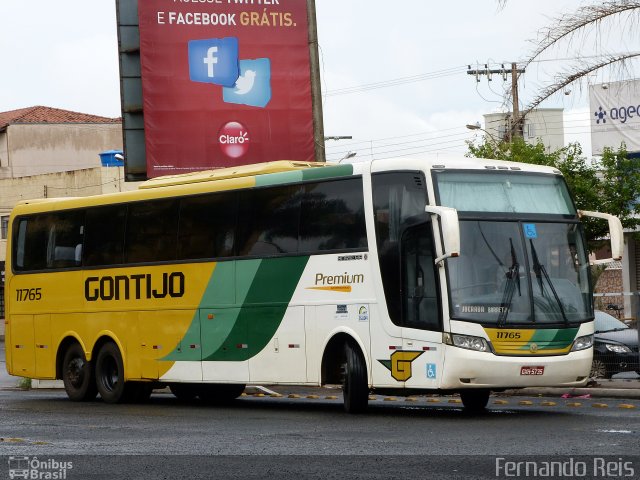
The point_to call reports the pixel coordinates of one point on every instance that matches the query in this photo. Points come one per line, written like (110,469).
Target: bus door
(423,354)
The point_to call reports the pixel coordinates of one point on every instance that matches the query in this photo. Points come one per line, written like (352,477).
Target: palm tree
(598,18)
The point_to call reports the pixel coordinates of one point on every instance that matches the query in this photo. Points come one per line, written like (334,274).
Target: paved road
(398,434)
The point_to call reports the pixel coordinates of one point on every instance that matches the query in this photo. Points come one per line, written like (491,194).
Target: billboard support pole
(316,90)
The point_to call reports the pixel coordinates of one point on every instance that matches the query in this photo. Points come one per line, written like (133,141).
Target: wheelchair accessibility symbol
(431,370)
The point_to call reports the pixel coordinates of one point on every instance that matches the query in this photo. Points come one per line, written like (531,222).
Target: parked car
(615,347)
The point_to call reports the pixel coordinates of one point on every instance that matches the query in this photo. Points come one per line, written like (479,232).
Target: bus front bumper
(470,369)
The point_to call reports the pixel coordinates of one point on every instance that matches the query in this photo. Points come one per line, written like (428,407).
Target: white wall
(34,149)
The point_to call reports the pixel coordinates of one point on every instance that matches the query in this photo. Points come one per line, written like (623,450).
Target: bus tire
(78,375)
(110,374)
(219,394)
(355,387)
(475,401)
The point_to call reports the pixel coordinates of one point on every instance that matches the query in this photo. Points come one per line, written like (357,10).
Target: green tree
(612,186)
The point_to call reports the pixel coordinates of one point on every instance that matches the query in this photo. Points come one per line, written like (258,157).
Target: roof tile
(41,114)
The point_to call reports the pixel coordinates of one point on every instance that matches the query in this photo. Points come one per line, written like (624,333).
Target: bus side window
(419,287)
(65,238)
(152,232)
(268,221)
(397,198)
(207,226)
(332,216)
(104,235)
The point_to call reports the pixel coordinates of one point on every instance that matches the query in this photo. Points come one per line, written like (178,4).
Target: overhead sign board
(615,116)
(225,83)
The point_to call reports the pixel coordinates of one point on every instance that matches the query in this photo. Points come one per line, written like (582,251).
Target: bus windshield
(504,192)
(514,271)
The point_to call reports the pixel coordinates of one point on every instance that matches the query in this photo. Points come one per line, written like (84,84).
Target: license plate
(532,371)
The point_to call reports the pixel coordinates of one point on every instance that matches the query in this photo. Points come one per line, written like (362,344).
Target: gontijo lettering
(144,285)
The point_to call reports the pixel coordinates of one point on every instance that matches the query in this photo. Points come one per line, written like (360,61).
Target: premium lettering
(344,279)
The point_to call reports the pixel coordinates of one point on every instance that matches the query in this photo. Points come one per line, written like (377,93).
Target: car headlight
(582,343)
(467,341)
(617,348)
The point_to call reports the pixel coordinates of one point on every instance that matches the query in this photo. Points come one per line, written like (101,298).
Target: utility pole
(316,91)
(517,123)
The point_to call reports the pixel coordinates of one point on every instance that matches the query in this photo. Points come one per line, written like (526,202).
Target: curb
(632,393)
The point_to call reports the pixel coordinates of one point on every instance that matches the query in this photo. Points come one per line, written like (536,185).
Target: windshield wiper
(611,330)
(541,272)
(513,281)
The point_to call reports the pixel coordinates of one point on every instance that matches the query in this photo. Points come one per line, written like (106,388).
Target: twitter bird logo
(245,82)
(253,86)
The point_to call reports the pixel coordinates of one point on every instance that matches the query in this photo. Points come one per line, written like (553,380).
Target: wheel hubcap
(75,372)
(110,377)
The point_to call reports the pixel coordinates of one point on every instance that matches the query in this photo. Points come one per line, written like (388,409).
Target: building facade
(544,125)
(48,152)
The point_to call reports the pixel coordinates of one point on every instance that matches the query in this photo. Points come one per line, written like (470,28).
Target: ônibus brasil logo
(234,139)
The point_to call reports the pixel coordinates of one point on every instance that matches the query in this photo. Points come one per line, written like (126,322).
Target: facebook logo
(214,61)
(253,87)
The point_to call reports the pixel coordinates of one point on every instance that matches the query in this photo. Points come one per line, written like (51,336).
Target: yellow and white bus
(404,276)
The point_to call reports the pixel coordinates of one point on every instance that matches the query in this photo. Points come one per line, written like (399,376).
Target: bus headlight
(582,343)
(467,341)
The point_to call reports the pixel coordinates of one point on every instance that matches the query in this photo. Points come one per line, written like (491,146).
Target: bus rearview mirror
(616,235)
(450,230)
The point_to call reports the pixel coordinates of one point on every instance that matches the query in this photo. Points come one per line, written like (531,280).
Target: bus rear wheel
(78,375)
(110,374)
(355,387)
(475,400)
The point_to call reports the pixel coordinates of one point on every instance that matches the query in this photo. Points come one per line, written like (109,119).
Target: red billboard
(225,83)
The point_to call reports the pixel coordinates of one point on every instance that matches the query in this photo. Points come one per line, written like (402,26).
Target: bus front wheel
(78,375)
(110,374)
(475,400)
(355,387)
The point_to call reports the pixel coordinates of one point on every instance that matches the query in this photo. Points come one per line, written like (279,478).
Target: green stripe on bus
(552,338)
(317,173)
(263,309)
(244,319)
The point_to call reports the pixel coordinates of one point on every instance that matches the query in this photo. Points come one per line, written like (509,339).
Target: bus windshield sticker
(530,230)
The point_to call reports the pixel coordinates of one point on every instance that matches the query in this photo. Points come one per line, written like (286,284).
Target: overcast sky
(63,54)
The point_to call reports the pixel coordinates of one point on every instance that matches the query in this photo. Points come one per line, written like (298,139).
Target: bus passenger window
(207,226)
(268,221)
(152,232)
(104,235)
(332,216)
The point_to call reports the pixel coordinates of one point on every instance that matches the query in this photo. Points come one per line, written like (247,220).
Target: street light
(348,156)
(339,137)
(491,137)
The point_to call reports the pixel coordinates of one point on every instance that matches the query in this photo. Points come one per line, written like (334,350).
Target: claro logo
(622,114)
(234,139)
(140,286)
